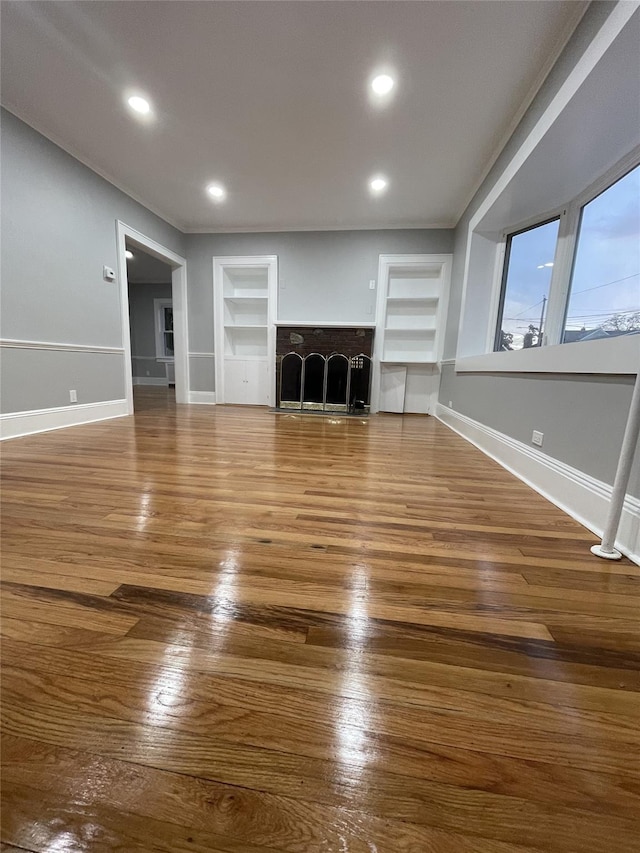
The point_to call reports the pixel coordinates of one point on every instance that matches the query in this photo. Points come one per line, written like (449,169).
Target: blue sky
(606,276)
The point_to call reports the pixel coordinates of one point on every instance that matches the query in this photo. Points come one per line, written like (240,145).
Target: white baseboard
(151,380)
(16,424)
(206,398)
(582,497)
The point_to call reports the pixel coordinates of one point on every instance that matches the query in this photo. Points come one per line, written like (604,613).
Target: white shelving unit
(413,292)
(245,292)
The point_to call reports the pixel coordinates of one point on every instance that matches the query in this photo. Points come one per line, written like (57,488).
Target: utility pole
(544,302)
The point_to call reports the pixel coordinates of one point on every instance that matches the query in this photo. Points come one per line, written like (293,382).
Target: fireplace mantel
(325,325)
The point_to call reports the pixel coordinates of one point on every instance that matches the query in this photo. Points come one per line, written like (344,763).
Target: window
(164,328)
(604,300)
(526,281)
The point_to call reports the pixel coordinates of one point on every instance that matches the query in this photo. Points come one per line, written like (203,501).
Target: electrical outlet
(450,404)
(73,396)
(372,284)
(537,437)
(148,373)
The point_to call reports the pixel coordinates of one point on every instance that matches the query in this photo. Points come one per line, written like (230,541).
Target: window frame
(570,216)
(503,271)
(158,314)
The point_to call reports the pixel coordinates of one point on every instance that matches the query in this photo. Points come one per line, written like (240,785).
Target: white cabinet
(413,292)
(245,292)
(247,382)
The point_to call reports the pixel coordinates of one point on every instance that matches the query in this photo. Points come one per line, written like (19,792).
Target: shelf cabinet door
(257,383)
(393,381)
(247,382)
(234,381)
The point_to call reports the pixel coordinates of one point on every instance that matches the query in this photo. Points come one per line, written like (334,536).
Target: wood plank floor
(225,630)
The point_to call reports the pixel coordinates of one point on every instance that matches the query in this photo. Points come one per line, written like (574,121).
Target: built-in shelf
(412,296)
(245,289)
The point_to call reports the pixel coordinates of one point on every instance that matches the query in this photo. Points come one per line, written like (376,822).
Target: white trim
(10,343)
(445,225)
(324,325)
(582,497)
(619,355)
(207,398)
(151,380)
(604,38)
(178,265)
(202,355)
(16,424)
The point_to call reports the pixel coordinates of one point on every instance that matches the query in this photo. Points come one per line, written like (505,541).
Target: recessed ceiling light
(382,84)
(128,254)
(139,105)
(549,264)
(378,184)
(217,192)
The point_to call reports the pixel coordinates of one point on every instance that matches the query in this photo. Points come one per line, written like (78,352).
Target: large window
(604,300)
(575,277)
(526,282)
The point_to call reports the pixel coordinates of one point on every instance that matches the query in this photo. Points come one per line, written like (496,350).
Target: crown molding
(24,116)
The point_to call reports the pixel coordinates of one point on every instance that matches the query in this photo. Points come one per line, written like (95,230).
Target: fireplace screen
(333,384)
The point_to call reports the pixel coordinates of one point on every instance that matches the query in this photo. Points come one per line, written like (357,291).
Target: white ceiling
(271,99)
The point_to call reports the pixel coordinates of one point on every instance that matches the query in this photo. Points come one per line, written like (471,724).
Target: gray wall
(324,276)
(143,328)
(582,417)
(58,229)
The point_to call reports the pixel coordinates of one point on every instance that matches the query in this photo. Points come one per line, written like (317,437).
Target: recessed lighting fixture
(378,184)
(549,264)
(382,84)
(217,192)
(128,254)
(139,105)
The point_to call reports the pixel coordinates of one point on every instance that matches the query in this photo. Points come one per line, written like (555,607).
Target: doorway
(153,290)
(151,329)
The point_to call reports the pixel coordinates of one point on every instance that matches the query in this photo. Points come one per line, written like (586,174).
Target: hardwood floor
(225,630)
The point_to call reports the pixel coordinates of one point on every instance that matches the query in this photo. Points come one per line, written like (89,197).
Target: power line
(598,286)
(525,310)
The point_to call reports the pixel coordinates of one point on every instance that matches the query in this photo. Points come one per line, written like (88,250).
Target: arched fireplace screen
(334,384)
(291,381)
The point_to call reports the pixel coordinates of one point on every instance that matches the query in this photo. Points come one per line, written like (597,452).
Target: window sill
(612,356)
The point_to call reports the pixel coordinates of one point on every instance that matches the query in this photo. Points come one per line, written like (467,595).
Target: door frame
(125,233)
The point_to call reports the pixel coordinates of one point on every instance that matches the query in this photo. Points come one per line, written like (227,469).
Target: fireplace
(324,369)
